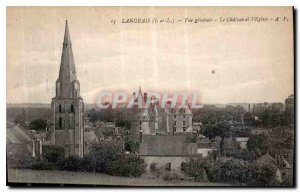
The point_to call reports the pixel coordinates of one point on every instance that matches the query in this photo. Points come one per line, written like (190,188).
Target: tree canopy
(38,124)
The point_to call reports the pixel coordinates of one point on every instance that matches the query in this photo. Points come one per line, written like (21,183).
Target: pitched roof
(90,136)
(167,145)
(266,159)
(17,134)
(283,163)
(67,71)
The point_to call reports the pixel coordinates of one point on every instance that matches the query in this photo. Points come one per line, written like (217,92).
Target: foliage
(127,165)
(235,171)
(221,129)
(35,164)
(103,154)
(249,119)
(239,172)
(110,159)
(131,145)
(211,114)
(28,113)
(197,168)
(53,154)
(71,163)
(243,155)
(38,124)
(265,174)
(259,142)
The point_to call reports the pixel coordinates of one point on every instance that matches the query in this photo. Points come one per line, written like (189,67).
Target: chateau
(159,121)
(67,106)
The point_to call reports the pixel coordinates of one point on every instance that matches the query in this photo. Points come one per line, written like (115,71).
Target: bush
(35,164)
(109,158)
(53,154)
(197,168)
(72,163)
(127,165)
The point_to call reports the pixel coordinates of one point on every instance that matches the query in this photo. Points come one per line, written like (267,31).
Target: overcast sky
(221,62)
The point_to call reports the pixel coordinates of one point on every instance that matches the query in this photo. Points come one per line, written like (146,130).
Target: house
(284,170)
(267,159)
(284,167)
(230,145)
(242,142)
(205,147)
(21,145)
(260,130)
(165,153)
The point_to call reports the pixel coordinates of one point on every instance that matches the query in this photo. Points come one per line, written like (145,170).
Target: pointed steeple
(67,39)
(67,71)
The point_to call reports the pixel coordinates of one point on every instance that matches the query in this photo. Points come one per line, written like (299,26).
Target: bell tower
(67,105)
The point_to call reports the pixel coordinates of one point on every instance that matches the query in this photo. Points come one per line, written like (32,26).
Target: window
(183,165)
(174,122)
(141,136)
(60,123)
(183,123)
(174,116)
(168,166)
(153,167)
(183,116)
(72,108)
(59,108)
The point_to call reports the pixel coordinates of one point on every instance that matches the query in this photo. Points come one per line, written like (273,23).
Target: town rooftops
(167,145)
(266,159)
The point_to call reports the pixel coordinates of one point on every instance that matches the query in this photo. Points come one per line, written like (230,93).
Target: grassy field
(65,177)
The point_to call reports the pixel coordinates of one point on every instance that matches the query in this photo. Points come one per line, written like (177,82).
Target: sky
(221,62)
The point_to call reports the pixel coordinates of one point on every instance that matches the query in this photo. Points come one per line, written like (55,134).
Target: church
(67,106)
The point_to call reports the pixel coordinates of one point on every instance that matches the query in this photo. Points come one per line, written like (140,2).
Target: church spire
(67,71)
(67,39)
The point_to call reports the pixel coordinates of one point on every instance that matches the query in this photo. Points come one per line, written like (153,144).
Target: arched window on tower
(72,108)
(60,123)
(59,108)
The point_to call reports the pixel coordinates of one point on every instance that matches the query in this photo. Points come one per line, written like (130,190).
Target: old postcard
(150,96)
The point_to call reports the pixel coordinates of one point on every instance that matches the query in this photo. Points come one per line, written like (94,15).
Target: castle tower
(140,122)
(67,106)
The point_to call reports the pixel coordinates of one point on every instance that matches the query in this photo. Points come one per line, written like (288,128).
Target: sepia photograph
(150,96)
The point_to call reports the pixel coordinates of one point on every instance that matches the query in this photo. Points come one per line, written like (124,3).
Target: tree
(221,129)
(249,119)
(131,145)
(258,142)
(38,124)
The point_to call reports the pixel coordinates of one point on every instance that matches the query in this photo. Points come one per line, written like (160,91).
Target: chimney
(145,97)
